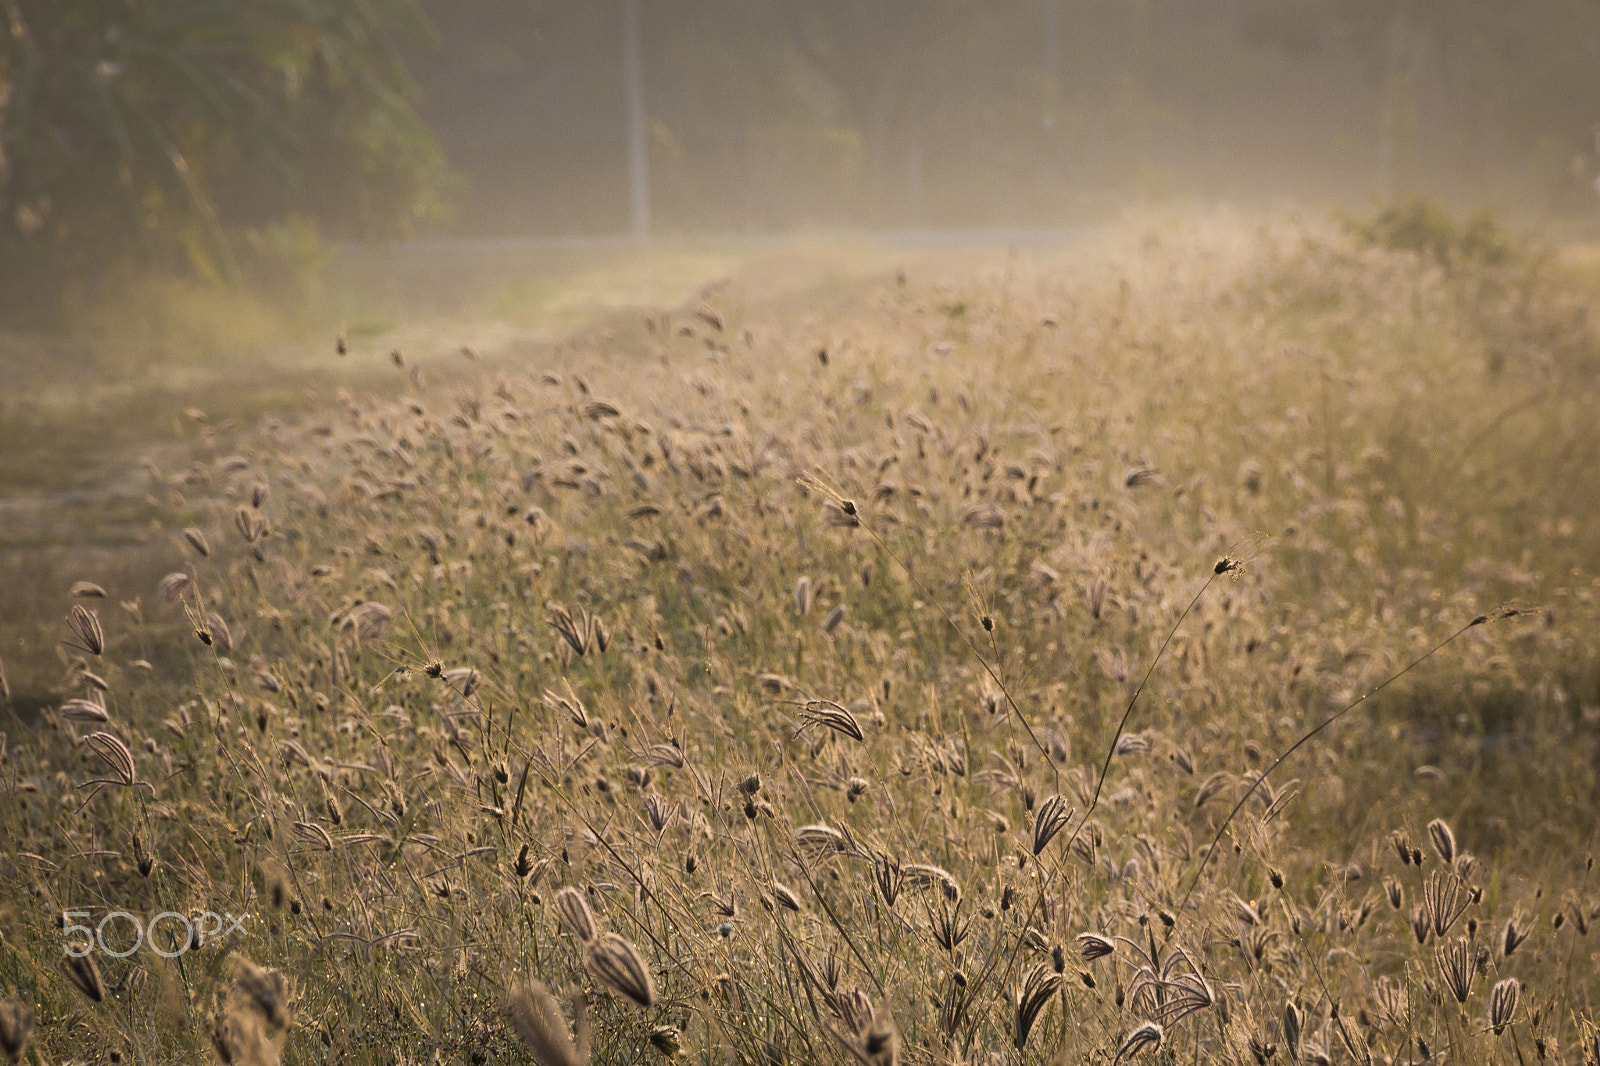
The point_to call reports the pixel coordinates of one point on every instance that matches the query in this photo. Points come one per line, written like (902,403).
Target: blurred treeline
(773,113)
(225,136)
(209,136)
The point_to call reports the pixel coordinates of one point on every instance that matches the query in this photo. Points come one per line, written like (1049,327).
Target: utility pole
(633,79)
(1052,49)
(1050,121)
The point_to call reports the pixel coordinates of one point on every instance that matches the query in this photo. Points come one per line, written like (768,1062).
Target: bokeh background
(231,138)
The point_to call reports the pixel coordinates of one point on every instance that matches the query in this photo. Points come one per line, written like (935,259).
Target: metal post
(638,162)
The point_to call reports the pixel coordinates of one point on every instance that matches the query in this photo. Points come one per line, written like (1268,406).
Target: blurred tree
(175,128)
(768,114)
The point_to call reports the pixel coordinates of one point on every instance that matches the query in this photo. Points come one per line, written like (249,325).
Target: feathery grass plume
(667,1039)
(275,882)
(666,755)
(1094,946)
(878,1041)
(1400,840)
(16,1027)
(784,897)
(1212,787)
(948,925)
(1132,744)
(1503,1003)
(658,811)
(854,1009)
(1291,1029)
(889,876)
(227,1039)
(84,973)
(82,711)
(1456,967)
(537,1018)
(171,588)
(197,541)
(835,616)
(802,596)
(572,908)
(577,631)
(925,876)
(830,715)
(86,590)
(1518,929)
(1395,892)
(821,840)
(1444,841)
(85,625)
(1393,1000)
(221,635)
(1032,996)
(251,526)
(1177,989)
(114,755)
(463,679)
(1147,1035)
(1443,901)
(313,834)
(1144,475)
(240,1037)
(264,991)
(368,620)
(1421,923)
(1095,597)
(1052,817)
(620,967)
(142,858)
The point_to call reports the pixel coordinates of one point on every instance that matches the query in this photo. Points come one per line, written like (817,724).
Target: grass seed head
(264,991)
(84,973)
(620,967)
(1457,967)
(536,1017)
(197,541)
(1033,995)
(85,625)
(1503,1003)
(16,1027)
(1444,841)
(1517,930)
(1052,817)
(1148,1035)
(1094,946)
(572,908)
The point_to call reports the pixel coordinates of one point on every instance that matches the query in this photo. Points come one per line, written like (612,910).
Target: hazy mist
(760,114)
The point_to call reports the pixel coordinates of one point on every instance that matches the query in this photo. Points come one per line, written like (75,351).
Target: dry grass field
(900,678)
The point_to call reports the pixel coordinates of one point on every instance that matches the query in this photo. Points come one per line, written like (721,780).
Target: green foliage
(177,128)
(1424,227)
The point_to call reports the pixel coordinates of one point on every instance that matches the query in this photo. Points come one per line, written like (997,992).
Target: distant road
(909,239)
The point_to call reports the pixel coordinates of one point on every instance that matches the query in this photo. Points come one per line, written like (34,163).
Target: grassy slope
(161,376)
(1048,455)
